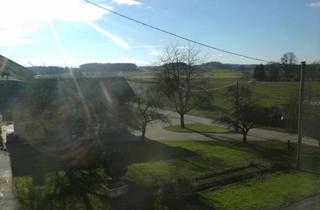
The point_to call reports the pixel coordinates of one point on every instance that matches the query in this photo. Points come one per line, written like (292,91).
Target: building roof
(14,69)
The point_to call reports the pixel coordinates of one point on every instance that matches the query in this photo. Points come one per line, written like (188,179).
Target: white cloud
(315,4)
(117,40)
(128,2)
(21,18)
(11,36)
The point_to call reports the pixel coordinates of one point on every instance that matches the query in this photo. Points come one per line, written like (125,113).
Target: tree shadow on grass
(212,136)
(80,193)
(280,153)
(29,159)
(264,150)
(150,150)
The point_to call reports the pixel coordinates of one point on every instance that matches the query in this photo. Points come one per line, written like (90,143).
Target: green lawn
(267,192)
(270,191)
(151,162)
(201,128)
(206,158)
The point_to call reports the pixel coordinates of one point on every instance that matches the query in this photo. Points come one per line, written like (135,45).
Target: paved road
(8,200)
(156,131)
(312,203)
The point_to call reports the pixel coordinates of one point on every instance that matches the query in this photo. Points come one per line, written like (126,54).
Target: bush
(270,116)
(167,192)
(116,166)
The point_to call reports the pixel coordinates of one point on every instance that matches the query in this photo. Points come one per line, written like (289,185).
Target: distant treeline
(286,72)
(89,67)
(212,66)
(131,67)
(108,67)
(48,69)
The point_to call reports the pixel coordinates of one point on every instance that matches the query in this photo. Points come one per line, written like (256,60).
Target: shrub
(116,166)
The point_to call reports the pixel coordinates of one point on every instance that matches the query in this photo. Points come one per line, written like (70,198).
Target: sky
(73,32)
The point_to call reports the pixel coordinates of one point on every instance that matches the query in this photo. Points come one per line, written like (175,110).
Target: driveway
(8,200)
(312,203)
(156,131)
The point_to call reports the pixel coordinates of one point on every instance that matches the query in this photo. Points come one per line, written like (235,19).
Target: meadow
(267,93)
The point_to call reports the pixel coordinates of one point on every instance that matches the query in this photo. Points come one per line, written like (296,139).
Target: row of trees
(89,67)
(48,69)
(108,67)
(287,70)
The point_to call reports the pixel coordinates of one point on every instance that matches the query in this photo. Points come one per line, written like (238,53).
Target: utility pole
(237,92)
(237,102)
(300,118)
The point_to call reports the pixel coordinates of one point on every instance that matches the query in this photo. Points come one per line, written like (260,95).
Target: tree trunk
(87,202)
(244,137)
(182,121)
(143,130)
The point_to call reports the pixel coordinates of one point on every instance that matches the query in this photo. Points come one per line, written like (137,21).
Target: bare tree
(180,80)
(288,60)
(244,115)
(148,109)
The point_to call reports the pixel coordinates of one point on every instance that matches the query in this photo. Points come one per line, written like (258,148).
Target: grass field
(267,93)
(151,162)
(200,128)
(267,192)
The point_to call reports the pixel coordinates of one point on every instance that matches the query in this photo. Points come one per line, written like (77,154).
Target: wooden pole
(300,118)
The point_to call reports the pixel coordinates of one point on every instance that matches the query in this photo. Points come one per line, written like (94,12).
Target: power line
(176,35)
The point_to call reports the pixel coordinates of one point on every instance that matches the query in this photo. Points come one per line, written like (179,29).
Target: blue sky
(72,32)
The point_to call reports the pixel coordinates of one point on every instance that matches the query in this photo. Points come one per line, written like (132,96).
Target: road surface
(156,131)
(8,200)
(312,203)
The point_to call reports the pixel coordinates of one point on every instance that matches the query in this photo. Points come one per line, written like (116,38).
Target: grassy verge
(268,192)
(201,128)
